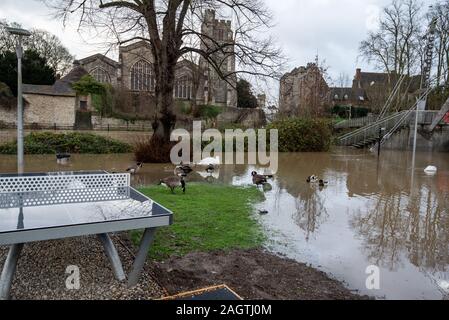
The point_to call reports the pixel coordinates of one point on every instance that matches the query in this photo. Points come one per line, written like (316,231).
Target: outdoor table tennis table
(50,206)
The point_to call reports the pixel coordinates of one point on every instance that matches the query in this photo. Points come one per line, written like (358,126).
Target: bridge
(366,131)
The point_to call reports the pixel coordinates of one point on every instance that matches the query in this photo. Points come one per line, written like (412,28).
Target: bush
(51,143)
(208,112)
(303,135)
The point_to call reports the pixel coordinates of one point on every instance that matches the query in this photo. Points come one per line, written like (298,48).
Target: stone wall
(43,109)
(250,118)
(50,109)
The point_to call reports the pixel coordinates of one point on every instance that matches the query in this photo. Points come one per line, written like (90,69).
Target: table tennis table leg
(142,254)
(113,256)
(8,270)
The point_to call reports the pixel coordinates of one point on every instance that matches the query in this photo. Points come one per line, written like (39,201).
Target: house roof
(62,87)
(368,79)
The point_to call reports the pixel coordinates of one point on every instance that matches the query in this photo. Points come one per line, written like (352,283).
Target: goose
(259,179)
(183,170)
(174,182)
(312,179)
(135,168)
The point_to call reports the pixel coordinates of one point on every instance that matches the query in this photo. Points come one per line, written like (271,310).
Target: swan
(431,170)
(210,161)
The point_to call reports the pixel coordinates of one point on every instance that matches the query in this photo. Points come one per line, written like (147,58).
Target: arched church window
(183,88)
(142,76)
(100,75)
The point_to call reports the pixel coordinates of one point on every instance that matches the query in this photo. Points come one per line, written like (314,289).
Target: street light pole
(20,33)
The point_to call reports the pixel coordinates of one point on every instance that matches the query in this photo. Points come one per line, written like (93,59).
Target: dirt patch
(253,274)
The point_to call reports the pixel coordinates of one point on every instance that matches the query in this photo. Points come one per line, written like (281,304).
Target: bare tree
(167,25)
(44,43)
(441,12)
(394,47)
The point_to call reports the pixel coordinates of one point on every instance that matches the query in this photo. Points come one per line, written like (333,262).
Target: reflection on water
(369,214)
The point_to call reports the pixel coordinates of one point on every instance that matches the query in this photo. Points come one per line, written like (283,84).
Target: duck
(312,179)
(259,179)
(174,182)
(183,170)
(323,183)
(135,168)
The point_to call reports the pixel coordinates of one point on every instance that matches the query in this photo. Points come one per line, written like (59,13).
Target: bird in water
(174,182)
(135,168)
(323,183)
(312,179)
(259,179)
(183,170)
(63,158)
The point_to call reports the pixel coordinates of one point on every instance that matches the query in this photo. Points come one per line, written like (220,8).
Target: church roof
(101,57)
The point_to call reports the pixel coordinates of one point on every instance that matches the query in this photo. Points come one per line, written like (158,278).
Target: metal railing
(129,126)
(390,123)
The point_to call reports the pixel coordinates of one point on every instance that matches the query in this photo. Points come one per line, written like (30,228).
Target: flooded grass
(207,217)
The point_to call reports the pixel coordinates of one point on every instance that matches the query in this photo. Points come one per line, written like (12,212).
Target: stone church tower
(219,32)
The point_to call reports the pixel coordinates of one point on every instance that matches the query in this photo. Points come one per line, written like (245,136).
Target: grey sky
(331,28)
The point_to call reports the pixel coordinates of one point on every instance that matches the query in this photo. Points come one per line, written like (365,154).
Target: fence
(129,126)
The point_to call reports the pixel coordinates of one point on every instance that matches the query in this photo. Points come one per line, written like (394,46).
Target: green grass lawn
(207,217)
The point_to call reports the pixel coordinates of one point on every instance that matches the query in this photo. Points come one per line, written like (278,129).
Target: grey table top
(44,216)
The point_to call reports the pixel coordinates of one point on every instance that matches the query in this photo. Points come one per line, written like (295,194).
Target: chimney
(358,74)
(358,78)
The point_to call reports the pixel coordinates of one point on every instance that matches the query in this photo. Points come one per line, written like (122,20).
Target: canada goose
(259,179)
(174,182)
(134,169)
(183,170)
(323,183)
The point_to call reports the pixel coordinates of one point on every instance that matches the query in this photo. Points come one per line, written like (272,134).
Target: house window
(142,77)
(183,88)
(100,75)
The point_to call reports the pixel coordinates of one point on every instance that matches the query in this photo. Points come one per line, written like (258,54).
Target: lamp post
(20,33)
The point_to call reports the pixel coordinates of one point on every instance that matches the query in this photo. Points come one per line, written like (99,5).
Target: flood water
(370,213)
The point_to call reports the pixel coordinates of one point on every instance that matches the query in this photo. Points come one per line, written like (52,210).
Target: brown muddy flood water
(369,214)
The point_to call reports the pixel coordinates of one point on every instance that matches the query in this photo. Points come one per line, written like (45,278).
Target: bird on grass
(135,168)
(259,179)
(174,182)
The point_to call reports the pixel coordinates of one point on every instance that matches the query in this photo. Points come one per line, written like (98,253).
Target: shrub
(51,143)
(303,135)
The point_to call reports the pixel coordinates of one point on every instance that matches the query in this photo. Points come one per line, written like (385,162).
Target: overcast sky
(332,29)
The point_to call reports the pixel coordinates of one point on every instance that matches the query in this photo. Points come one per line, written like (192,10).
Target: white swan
(431,170)
(210,161)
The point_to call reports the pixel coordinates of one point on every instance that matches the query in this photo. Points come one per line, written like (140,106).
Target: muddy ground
(253,274)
